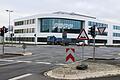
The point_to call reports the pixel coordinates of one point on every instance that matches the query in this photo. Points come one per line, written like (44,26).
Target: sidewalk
(95,69)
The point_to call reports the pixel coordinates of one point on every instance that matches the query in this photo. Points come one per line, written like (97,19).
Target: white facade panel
(85,19)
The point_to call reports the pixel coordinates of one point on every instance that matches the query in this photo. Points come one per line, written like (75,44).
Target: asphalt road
(46,57)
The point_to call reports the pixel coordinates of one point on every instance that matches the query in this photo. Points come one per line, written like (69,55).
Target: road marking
(60,64)
(8,63)
(43,62)
(25,61)
(6,60)
(20,61)
(19,77)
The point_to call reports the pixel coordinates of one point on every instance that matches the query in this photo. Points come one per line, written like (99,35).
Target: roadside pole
(83,50)
(3,45)
(82,36)
(3,31)
(94,49)
(24,47)
(3,39)
(35,38)
(12,38)
(93,34)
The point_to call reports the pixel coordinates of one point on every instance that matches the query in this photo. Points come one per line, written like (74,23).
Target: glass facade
(24,22)
(116,27)
(91,23)
(116,41)
(20,39)
(116,34)
(98,33)
(57,25)
(27,30)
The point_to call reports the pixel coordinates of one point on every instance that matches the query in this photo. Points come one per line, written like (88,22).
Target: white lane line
(8,63)
(6,60)
(60,64)
(25,61)
(43,62)
(19,77)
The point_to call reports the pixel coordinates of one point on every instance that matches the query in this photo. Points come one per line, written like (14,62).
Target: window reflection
(59,25)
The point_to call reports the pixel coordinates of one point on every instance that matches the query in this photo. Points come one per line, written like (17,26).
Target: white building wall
(110,34)
(37,26)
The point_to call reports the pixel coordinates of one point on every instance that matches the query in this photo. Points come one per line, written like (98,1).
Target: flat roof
(74,14)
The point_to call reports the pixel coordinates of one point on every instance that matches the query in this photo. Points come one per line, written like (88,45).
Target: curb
(71,73)
(102,58)
(20,53)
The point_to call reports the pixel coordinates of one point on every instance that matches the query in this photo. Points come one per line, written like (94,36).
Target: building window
(116,41)
(42,39)
(25,22)
(98,41)
(33,30)
(27,30)
(58,25)
(33,21)
(116,27)
(26,39)
(116,34)
(19,23)
(91,23)
(98,33)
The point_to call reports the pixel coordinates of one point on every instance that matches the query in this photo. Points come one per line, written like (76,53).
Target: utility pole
(9,11)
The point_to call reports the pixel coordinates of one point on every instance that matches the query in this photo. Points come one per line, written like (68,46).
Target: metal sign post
(94,49)
(35,38)
(3,31)
(24,47)
(82,36)
(11,35)
(83,50)
(3,46)
(93,34)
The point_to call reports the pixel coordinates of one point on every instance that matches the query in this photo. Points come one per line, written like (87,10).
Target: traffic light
(6,30)
(92,31)
(2,32)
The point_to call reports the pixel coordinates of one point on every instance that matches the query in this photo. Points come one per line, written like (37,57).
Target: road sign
(83,35)
(69,54)
(101,29)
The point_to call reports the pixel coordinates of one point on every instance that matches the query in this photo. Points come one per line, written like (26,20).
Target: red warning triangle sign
(83,35)
(101,29)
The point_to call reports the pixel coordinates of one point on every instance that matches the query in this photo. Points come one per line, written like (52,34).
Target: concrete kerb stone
(94,70)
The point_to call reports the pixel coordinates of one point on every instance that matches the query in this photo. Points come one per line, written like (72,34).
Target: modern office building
(35,29)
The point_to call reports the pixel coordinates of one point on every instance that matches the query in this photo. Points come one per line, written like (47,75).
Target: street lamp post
(9,11)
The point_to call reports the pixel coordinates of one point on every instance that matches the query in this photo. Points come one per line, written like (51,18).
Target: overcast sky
(108,9)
